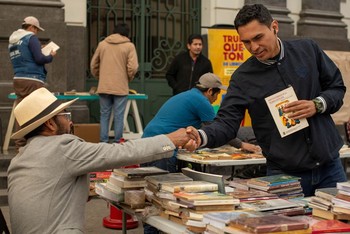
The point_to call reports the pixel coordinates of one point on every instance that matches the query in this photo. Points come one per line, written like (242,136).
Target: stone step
(3,180)
(3,197)
(5,161)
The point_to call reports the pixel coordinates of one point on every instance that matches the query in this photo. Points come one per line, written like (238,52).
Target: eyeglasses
(68,115)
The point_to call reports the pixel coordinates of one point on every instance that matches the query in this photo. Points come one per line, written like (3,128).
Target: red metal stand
(115,219)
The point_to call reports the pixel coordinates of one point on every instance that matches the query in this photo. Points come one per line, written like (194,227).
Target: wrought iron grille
(159,28)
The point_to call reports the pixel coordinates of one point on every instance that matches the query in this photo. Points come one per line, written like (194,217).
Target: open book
(276,102)
(52,46)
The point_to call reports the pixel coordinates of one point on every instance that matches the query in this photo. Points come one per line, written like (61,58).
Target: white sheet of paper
(52,46)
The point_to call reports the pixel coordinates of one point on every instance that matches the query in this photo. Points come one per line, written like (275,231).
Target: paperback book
(326,193)
(189,186)
(330,226)
(205,198)
(276,103)
(270,204)
(274,180)
(52,46)
(158,180)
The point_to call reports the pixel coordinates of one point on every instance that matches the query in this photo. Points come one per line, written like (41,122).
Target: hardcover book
(270,223)
(139,172)
(276,103)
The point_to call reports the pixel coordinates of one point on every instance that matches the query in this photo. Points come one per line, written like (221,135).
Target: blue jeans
(118,103)
(325,176)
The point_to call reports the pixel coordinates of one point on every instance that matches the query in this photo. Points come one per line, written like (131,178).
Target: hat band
(45,112)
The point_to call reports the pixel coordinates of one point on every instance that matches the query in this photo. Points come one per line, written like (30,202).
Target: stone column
(279,11)
(321,21)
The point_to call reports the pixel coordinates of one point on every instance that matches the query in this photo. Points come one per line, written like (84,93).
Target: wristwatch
(318,104)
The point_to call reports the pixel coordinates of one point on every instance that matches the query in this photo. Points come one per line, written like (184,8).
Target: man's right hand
(185,138)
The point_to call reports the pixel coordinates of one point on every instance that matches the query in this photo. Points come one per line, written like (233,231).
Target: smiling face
(260,40)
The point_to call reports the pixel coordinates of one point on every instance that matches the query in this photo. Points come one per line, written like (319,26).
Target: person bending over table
(189,108)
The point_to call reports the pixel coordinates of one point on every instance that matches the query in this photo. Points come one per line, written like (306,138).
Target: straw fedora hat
(35,109)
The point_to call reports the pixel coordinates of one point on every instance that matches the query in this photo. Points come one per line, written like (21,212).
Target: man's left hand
(300,109)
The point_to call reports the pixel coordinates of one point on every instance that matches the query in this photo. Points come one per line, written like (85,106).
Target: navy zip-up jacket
(311,73)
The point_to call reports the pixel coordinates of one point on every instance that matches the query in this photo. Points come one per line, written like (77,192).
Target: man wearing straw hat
(48,181)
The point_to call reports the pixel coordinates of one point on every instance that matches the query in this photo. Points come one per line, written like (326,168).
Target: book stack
(239,184)
(341,201)
(322,205)
(158,189)
(98,177)
(251,195)
(284,186)
(218,222)
(126,179)
(197,204)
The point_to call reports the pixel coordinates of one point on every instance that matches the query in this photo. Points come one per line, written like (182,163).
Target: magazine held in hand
(276,102)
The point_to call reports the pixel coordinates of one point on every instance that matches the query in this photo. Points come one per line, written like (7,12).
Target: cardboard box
(89,132)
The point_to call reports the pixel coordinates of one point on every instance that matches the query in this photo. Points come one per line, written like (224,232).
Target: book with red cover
(330,226)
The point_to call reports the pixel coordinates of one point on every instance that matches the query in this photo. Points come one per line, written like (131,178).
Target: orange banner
(226,53)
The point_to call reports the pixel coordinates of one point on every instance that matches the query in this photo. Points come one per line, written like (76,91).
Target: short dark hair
(122,29)
(253,12)
(194,36)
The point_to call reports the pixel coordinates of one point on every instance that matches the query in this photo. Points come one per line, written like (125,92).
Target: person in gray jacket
(48,182)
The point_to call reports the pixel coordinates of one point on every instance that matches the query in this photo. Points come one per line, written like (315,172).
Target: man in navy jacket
(311,153)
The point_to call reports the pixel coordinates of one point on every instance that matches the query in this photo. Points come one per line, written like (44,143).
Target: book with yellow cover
(189,186)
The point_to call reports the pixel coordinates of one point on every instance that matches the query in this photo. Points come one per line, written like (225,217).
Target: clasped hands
(186,138)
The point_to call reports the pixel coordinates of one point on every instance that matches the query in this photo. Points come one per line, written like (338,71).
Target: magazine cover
(276,102)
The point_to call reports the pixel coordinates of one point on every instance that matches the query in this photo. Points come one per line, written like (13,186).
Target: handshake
(185,138)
